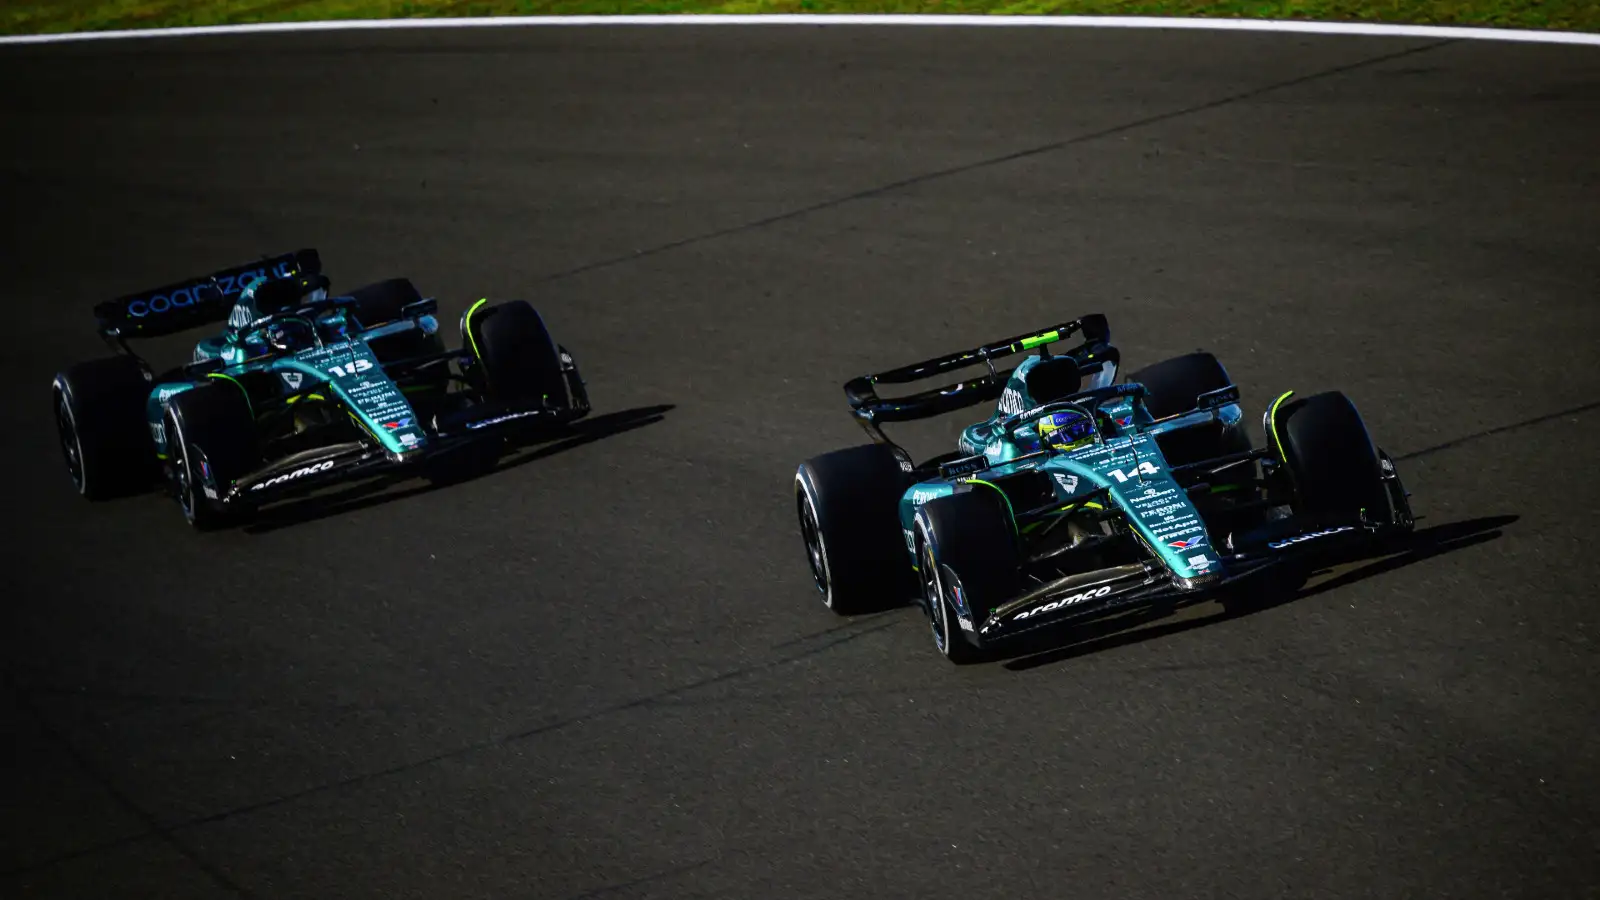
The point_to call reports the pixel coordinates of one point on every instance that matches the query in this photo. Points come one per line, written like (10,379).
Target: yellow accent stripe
(1011,513)
(1272,421)
(363,426)
(470,339)
(235,381)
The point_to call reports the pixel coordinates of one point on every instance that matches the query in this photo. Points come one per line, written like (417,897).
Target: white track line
(995,21)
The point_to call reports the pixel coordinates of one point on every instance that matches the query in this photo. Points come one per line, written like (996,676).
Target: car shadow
(377,491)
(1126,630)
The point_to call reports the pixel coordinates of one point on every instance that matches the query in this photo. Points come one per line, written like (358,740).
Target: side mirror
(420,308)
(1217,398)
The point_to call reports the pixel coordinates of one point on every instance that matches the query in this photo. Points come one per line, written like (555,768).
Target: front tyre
(212,442)
(969,563)
(847,502)
(517,359)
(1333,465)
(105,440)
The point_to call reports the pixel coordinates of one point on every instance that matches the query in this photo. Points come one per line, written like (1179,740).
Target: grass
(47,16)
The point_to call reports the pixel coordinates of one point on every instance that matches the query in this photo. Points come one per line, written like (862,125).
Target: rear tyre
(519,362)
(381,302)
(968,560)
(105,440)
(1331,459)
(1172,387)
(211,442)
(848,506)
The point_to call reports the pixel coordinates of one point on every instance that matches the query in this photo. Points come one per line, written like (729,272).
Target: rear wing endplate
(183,305)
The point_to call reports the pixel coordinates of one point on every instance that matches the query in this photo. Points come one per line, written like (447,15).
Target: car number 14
(1129,473)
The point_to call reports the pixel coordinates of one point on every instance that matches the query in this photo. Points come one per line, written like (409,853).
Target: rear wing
(870,410)
(199,301)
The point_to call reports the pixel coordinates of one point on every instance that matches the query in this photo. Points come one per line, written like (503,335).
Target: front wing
(308,470)
(1094,595)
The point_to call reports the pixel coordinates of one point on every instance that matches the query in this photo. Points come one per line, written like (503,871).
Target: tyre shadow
(1122,631)
(377,491)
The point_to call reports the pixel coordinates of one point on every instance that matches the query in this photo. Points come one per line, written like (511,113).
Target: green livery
(302,387)
(1082,494)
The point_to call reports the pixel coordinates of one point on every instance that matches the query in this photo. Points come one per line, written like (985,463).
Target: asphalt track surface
(602,670)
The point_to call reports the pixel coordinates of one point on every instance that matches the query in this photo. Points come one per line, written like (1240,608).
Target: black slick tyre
(1172,387)
(1331,459)
(848,506)
(519,361)
(381,302)
(967,559)
(105,440)
(211,443)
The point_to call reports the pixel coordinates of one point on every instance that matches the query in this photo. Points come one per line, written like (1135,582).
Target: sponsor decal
(1069,483)
(920,497)
(323,466)
(187,297)
(292,380)
(964,466)
(406,440)
(157,304)
(158,432)
(397,423)
(1278,545)
(239,317)
(233,284)
(1125,421)
(1010,402)
(911,539)
(1219,397)
(1187,544)
(1090,594)
(1199,563)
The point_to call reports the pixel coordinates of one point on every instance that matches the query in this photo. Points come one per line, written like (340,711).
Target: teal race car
(302,387)
(1082,497)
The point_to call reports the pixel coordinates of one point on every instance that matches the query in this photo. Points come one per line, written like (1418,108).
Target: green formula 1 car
(302,387)
(1081,497)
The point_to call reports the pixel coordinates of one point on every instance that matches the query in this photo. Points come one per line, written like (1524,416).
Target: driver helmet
(288,334)
(1066,430)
